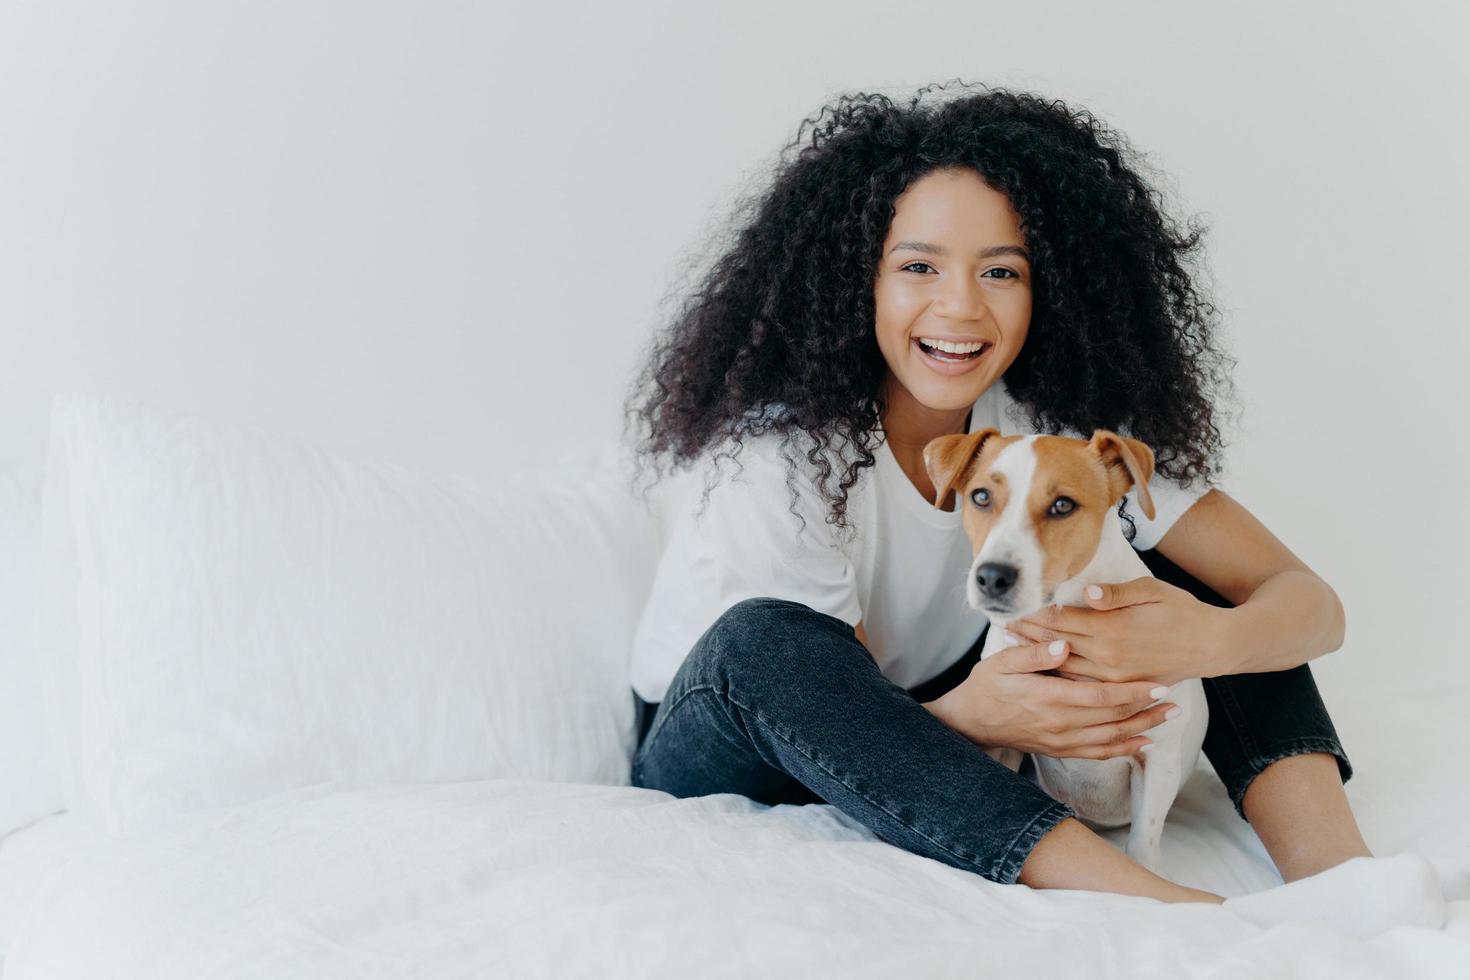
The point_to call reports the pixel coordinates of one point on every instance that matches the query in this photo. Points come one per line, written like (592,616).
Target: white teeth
(952,347)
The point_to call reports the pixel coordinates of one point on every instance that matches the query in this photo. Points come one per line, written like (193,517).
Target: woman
(794,654)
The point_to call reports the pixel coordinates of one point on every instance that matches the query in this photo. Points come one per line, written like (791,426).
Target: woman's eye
(1062,505)
(1008,273)
(980,496)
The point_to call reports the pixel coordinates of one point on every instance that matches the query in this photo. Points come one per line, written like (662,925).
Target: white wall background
(439,233)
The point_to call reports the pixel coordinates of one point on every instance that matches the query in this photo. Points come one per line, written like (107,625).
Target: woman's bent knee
(772,636)
(765,613)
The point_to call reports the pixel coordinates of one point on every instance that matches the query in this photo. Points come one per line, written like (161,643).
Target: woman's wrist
(939,709)
(943,709)
(1291,618)
(1227,638)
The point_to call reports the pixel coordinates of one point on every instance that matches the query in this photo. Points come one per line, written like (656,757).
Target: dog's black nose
(995,579)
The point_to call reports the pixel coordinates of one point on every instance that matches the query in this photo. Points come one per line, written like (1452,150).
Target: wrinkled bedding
(528,878)
(28,856)
(516,878)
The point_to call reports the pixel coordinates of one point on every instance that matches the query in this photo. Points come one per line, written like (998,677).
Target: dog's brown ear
(1129,463)
(950,459)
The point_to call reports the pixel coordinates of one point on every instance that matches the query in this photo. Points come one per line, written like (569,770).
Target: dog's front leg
(1155,783)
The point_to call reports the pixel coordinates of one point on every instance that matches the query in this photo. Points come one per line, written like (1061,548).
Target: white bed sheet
(27,856)
(520,878)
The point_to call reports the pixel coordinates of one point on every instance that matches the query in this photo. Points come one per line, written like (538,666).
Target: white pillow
(28,787)
(253,614)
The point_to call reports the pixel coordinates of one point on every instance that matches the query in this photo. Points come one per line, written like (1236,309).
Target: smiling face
(954,268)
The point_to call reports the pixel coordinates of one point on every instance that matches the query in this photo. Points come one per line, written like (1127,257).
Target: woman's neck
(909,426)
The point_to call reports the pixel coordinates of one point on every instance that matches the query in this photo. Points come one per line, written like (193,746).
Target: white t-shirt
(900,571)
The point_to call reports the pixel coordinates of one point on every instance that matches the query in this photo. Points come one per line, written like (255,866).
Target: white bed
(27,856)
(203,844)
(531,878)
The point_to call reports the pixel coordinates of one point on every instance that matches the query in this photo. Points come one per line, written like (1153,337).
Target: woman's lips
(950,367)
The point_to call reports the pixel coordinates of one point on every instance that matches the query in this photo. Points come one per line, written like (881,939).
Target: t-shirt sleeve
(746,542)
(1171,499)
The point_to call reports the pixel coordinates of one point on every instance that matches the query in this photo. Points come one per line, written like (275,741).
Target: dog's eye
(981,497)
(1062,505)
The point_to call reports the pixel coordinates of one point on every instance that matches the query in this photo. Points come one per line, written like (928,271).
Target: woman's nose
(961,299)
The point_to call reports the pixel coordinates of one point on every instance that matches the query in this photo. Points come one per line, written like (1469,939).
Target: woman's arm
(1284,613)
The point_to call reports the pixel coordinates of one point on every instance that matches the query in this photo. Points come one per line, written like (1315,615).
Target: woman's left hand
(1143,629)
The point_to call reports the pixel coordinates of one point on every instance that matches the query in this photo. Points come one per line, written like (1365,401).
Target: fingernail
(1094,592)
(1158,692)
(1173,712)
(1057,648)
(1146,747)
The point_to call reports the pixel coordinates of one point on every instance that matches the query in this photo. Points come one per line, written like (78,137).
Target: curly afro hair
(1121,334)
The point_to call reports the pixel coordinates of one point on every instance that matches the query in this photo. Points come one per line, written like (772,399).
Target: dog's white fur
(1104,792)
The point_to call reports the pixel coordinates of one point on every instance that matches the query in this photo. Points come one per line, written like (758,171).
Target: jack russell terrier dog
(1028,555)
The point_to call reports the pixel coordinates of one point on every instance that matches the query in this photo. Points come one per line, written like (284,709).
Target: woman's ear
(949,460)
(1129,463)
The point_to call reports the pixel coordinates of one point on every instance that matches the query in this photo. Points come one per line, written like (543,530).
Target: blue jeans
(782,704)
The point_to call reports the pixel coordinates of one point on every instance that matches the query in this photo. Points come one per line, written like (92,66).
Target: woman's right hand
(1007,701)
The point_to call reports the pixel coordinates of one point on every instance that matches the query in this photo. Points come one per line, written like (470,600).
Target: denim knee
(737,647)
